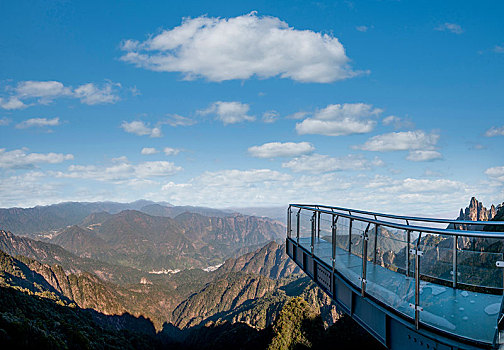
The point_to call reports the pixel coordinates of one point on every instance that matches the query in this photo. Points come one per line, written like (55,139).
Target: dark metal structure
(412,282)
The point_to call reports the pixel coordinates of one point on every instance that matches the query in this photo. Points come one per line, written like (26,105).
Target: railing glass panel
(305,217)
(383,282)
(447,302)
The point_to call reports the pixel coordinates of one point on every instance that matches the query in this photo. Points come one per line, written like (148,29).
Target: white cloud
(241,177)
(171,151)
(495,131)
(423,156)
(298,115)
(401,141)
(157,168)
(4,121)
(46,91)
(279,149)
(141,129)
(12,103)
(38,122)
(397,122)
(91,94)
(240,47)
(318,163)
(496,173)
(178,120)
(362,28)
(149,151)
(121,171)
(340,119)
(498,49)
(229,112)
(270,116)
(19,159)
(450,27)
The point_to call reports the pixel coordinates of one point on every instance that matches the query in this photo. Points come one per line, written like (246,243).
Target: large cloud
(240,47)
(279,149)
(340,119)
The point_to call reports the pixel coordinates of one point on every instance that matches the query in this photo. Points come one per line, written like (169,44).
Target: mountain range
(152,275)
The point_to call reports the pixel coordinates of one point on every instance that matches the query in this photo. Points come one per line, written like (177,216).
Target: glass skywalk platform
(465,313)
(444,286)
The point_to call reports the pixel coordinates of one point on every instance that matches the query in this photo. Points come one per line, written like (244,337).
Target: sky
(393,106)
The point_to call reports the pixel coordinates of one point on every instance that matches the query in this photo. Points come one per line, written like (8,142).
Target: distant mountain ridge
(152,243)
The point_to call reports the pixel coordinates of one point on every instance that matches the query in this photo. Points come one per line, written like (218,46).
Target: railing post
(408,233)
(454,269)
(313,228)
(289,226)
(350,236)
(297,226)
(318,225)
(333,233)
(417,282)
(377,228)
(364,260)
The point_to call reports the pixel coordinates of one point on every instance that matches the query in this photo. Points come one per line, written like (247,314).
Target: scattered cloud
(44,92)
(498,49)
(229,112)
(397,122)
(4,121)
(141,129)
(279,149)
(149,151)
(38,122)
(219,49)
(340,119)
(423,156)
(91,94)
(120,171)
(270,117)
(450,27)
(20,159)
(318,163)
(298,115)
(242,177)
(401,141)
(12,103)
(496,173)
(362,29)
(178,120)
(171,151)
(495,131)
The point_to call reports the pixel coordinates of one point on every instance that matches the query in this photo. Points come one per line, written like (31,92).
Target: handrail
(410,218)
(379,220)
(451,232)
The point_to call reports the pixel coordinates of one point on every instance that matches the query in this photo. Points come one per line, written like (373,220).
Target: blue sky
(388,105)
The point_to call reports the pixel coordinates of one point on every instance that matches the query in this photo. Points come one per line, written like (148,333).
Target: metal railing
(465,260)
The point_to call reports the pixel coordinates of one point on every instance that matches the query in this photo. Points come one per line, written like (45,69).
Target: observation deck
(412,282)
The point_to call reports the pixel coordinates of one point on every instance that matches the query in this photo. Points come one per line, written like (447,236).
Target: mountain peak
(477,212)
